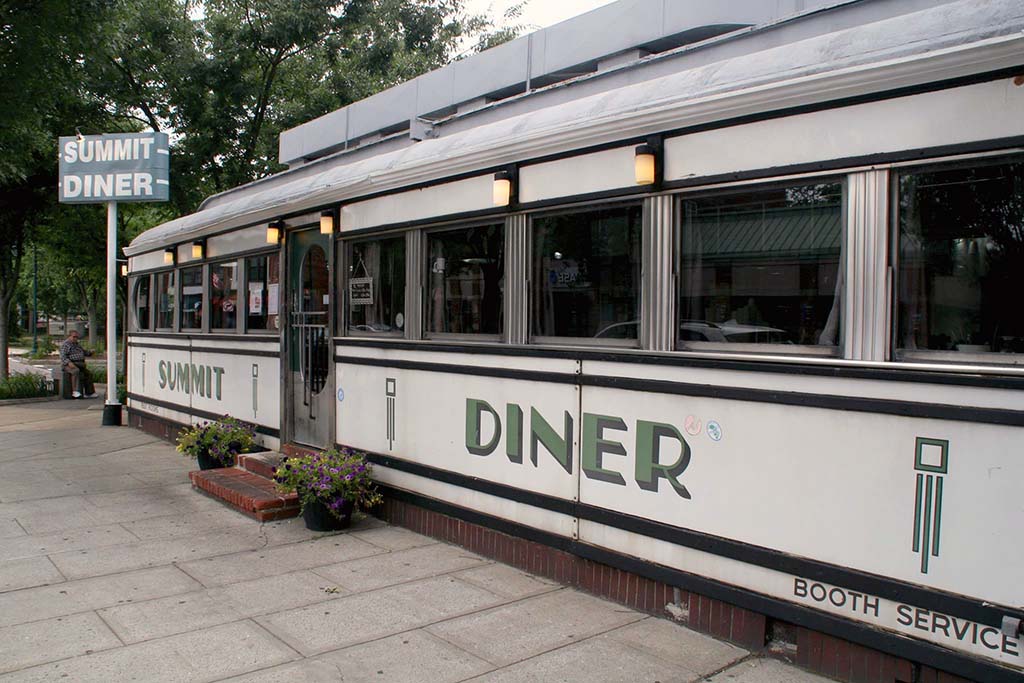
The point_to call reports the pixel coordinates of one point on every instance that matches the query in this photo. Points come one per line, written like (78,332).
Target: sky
(538,13)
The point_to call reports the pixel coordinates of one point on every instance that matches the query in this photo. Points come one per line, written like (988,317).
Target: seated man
(72,361)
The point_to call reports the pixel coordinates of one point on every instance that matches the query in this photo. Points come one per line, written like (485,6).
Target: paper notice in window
(256,298)
(272,298)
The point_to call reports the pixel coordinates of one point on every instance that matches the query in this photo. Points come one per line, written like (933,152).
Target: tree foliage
(224,77)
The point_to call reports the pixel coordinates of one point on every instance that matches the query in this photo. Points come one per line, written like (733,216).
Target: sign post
(112,168)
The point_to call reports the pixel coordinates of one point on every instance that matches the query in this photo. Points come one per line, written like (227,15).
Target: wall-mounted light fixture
(199,249)
(170,253)
(326,222)
(78,135)
(124,270)
(502,188)
(274,232)
(645,164)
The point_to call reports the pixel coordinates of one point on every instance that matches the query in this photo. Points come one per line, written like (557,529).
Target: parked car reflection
(729,331)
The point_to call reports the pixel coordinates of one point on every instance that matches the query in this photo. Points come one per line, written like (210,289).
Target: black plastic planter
(319,518)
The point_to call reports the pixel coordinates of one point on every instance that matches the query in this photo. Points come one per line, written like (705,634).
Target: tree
(43,45)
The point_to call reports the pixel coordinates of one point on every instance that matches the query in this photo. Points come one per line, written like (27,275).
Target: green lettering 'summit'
(219,372)
(559,446)
(648,450)
(474,409)
(181,370)
(594,447)
(198,380)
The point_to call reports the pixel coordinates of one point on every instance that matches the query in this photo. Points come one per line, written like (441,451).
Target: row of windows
(243,295)
(761,266)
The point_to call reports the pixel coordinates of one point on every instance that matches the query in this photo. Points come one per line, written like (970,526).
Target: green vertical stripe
(926,523)
(938,516)
(917,514)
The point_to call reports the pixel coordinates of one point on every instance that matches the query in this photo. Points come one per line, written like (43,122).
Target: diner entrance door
(308,368)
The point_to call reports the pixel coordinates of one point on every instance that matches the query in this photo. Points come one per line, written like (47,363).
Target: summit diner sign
(116,167)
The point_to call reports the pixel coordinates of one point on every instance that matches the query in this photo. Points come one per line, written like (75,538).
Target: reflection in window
(762,266)
(165,296)
(192,298)
(142,303)
(961,259)
(375,289)
(465,270)
(224,296)
(586,274)
(264,295)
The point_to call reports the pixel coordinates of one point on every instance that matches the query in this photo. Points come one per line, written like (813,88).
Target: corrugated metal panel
(866,309)
(516,284)
(413,285)
(657,307)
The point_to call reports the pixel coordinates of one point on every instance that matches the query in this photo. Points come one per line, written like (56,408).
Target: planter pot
(208,462)
(319,518)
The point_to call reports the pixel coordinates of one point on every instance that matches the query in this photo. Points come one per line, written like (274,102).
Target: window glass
(586,274)
(192,298)
(961,259)
(762,266)
(465,279)
(224,296)
(166,298)
(142,303)
(264,295)
(376,286)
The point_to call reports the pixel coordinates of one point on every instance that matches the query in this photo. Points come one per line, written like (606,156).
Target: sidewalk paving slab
(112,568)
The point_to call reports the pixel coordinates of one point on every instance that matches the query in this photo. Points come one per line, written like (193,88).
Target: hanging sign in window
(360,291)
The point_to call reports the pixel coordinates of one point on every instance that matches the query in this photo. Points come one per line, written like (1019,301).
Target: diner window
(142,303)
(375,286)
(192,298)
(263,275)
(166,298)
(762,266)
(961,259)
(465,278)
(586,274)
(224,296)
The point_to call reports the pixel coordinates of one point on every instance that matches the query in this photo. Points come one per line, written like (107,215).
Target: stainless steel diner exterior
(787,373)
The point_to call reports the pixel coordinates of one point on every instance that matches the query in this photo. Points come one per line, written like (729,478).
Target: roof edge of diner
(899,52)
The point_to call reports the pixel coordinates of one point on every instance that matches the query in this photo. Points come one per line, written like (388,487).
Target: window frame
(177,299)
(567,210)
(985,359)
(136,282)
(343,256)
(204,324)
(836,351)
(424,257)
(244,280)
(208,293)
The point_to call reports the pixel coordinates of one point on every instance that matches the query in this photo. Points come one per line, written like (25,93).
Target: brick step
(262,464)
(247,492)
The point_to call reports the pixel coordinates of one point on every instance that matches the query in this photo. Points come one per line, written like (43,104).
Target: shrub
(98,372)
(331,477)
(222,440)
(24,385)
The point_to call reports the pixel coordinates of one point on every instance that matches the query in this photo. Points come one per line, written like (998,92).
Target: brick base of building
(811,650)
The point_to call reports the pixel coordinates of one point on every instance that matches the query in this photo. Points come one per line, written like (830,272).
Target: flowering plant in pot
(330,484)
(217,444)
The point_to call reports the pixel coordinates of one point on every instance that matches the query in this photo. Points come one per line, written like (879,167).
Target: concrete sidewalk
(113,569)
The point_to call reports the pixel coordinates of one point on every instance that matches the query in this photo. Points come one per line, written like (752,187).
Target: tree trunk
(94,319)
(5,304)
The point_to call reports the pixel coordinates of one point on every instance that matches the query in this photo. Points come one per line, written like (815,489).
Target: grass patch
(23,385)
